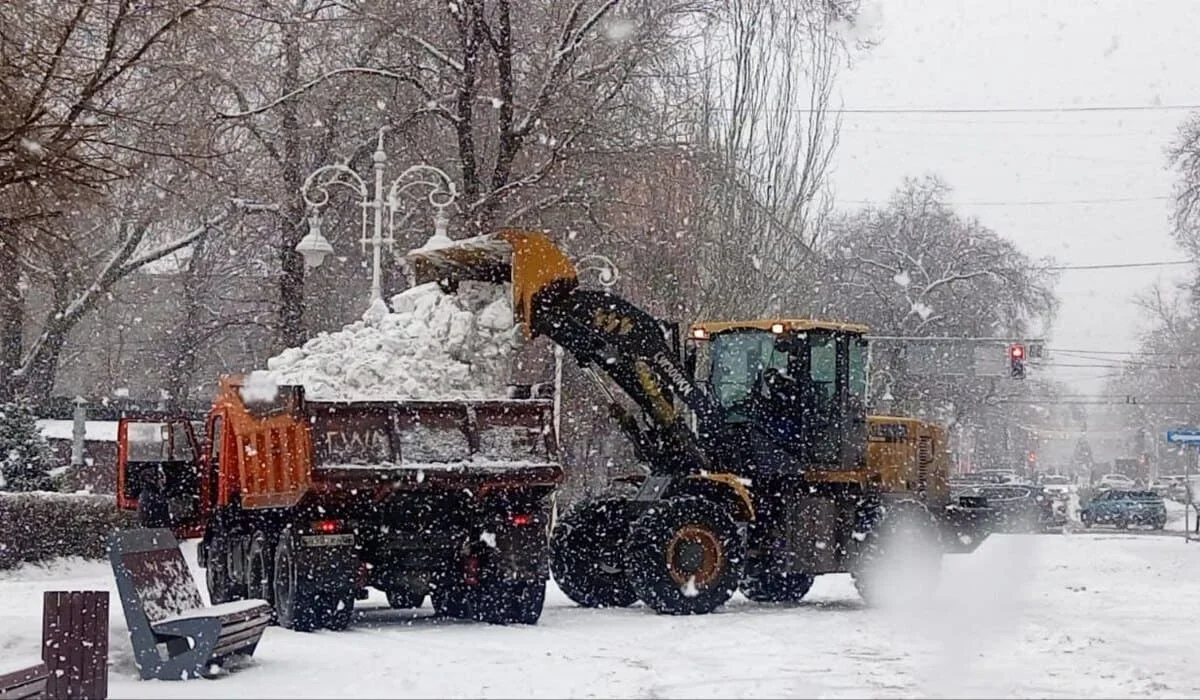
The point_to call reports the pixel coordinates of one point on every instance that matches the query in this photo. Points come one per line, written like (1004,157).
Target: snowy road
(1096,614)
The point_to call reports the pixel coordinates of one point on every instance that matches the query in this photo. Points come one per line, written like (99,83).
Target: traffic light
(1016,361)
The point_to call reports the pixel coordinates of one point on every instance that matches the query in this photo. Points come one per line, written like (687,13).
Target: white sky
(1020,54)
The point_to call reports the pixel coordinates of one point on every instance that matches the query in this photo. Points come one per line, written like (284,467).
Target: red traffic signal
(1016,361)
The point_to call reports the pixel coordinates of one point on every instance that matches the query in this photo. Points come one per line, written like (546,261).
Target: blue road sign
(1184,436)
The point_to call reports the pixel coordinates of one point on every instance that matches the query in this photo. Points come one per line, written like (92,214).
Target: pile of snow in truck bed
(432,345)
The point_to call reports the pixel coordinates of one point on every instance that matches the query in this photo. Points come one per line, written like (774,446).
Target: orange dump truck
(307,503)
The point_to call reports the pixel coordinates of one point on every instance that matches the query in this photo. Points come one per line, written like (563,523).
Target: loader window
(858,370)
(738,358)
(823,364)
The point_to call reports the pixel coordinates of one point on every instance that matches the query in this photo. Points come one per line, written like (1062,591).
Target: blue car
(1124,507)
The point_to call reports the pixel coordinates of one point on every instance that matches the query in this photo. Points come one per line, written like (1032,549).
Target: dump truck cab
(160,467)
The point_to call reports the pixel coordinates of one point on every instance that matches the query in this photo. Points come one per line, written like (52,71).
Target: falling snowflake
(620,29)
(922,310)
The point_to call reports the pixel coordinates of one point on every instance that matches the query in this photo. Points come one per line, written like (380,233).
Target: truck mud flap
(965,527)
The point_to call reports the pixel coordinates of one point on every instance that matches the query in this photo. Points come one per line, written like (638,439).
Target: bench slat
(236,642)
(24,683)
(257,623)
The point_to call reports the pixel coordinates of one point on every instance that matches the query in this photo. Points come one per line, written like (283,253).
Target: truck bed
(325,450)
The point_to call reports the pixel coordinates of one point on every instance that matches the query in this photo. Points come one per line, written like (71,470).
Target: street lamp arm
(316,192)
(442,191)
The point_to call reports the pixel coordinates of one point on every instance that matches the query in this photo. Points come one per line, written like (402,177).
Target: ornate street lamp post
(316,193)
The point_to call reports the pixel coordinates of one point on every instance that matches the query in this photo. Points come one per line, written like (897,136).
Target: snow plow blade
(527,259)
(966,524)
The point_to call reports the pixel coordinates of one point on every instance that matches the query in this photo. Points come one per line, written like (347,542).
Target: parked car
(1180,486)
(1057,485)
(1161,486)
(1116,481)
(999,476)
(1021,507)
(1125,507)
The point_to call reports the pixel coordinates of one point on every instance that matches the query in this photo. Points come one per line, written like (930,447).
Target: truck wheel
(900,558)
(762,585)
(685,556)
(450,601)
(508,602)
(221,588)
(339,618)
(259,570)
(295,594)
(587,552)
(405,598)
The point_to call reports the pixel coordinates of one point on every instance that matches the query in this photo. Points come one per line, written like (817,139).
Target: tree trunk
(291,264)
(12,311)
(43,367)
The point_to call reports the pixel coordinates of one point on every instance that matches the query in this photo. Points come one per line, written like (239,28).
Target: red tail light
(326,527)
(521,519)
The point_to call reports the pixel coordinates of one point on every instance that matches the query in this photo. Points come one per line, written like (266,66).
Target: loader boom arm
(609,333)
(602,330)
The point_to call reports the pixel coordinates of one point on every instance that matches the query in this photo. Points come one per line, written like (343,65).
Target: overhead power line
(1062,109)
(1032,202)
(1116,266)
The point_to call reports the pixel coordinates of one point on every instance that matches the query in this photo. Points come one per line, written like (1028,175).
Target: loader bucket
(965,525)
(528,259)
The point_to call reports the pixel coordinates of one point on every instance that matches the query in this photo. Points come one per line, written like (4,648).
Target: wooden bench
(75,644)
(23,678)
(175,636)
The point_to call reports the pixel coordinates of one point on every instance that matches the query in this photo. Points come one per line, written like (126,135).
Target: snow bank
(98,430)
(432,345)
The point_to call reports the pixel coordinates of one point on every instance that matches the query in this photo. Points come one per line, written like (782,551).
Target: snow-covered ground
(1087,615)
(1175,513)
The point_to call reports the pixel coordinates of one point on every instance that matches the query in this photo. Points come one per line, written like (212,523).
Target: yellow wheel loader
(762,469)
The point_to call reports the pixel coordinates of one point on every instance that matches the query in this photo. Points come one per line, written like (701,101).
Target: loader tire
(762,585)
(900,558)
(587,554)
(685,556)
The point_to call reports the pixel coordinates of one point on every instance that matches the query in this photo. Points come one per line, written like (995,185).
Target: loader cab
(800,383)
(158,472)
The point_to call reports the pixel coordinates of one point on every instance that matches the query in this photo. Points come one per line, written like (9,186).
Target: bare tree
(88,102)
(769,133)
(500,94)
(916,268)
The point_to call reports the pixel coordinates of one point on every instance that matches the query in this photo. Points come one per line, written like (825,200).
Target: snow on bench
(233,608)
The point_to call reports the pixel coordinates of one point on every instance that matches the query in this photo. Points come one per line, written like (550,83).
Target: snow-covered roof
(98,430)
